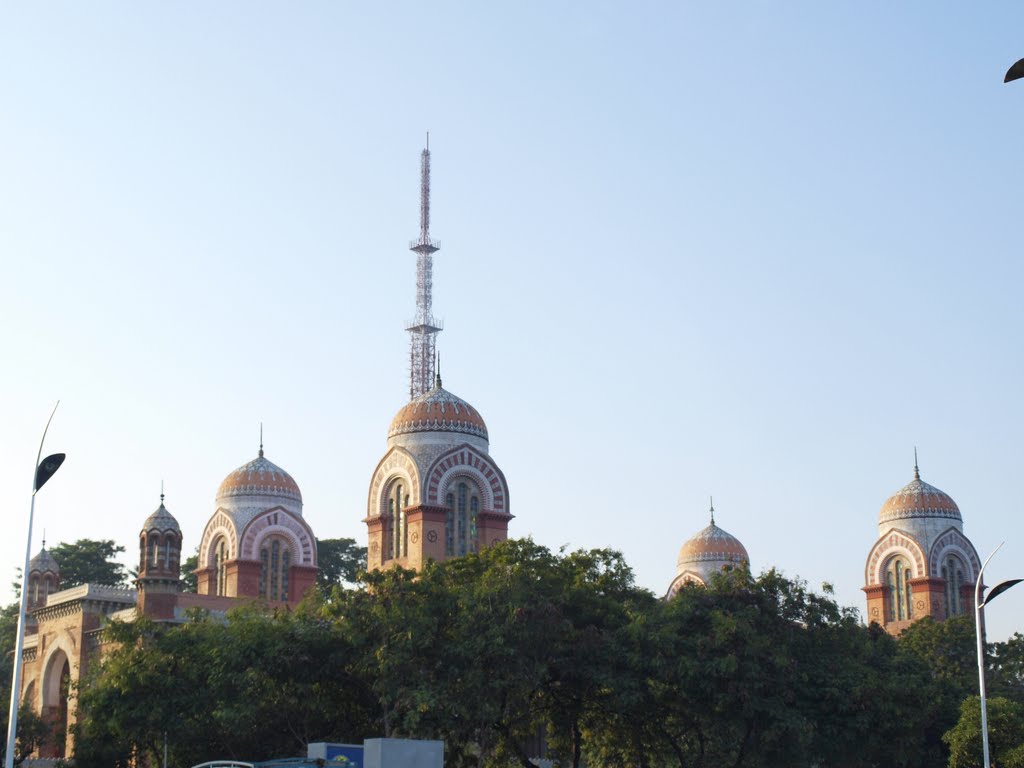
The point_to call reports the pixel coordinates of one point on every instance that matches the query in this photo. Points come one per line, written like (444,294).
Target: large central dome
(918,499)
(438,411)
(260,477)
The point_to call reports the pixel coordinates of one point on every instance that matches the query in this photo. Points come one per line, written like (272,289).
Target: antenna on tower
(424,328)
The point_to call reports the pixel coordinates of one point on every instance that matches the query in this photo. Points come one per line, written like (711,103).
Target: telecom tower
(424,328)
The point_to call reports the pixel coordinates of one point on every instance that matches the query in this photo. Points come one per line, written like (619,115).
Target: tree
(89,561)
(1007,662)
(1005,733)
(189,580)
(949,650)
(260,685)
(340,561)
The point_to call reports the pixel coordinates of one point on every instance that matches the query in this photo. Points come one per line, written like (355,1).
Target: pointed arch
(953,543)
(219,526)
(466,461)
(682,579)
(281,522)
(397,464)
(894,542)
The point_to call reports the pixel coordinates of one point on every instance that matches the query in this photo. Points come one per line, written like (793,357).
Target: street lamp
(1016,72)
(44,470)
(979,606)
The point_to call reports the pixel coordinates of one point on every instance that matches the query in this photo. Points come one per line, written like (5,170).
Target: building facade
(922,564)
(256,546)
(436,493)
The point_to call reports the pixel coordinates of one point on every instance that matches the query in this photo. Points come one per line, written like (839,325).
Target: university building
(436,493)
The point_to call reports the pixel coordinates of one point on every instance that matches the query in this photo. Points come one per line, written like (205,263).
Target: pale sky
(752,250)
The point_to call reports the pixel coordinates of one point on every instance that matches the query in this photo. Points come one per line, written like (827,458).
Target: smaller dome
(438,411)
(260,477)
(918,499)
(712,544)
(161,520)
(43,562)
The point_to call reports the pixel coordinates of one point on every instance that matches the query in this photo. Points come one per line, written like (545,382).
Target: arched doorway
(56,690)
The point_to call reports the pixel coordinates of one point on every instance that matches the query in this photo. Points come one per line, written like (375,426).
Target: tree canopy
(519,652)
(340,561)
(89,561)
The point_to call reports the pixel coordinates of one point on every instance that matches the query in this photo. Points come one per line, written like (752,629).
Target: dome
(438,411)
(711,545)
(161,520)
(918,499)
(43,562)
(260,477)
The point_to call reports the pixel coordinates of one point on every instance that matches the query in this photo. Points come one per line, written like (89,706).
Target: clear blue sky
(756,250)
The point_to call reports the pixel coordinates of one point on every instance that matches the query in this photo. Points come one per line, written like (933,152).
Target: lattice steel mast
(424,328)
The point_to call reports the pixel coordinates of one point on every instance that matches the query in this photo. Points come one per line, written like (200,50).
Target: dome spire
(712,500)
(161,491)
(261,439)
(917,472)
(437,366)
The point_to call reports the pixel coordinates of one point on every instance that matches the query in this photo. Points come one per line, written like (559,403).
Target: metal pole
(12,714)
(978,607)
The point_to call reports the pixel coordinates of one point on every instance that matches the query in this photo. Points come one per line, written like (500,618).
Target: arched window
(220,559)
(461,521)
(449,526)
(154,558)
(275,564)
(474,509)
(901,597)
(167,552)
(953,573)
(398,500)
(142,552)
(388,549)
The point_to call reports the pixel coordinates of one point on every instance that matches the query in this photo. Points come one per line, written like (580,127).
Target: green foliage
(1007,661)
(261,685)
(491,650)
(949,649)
(189,580)
(1005,734)
(340,561)
(32,732)
(89,561)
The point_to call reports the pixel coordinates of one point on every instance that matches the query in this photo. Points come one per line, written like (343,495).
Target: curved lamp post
(44,470)
(979,607)
(1016,72)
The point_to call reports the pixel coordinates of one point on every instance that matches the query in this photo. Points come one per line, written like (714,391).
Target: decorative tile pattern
(918,499)
(161,520)
(438,411)
(259,477)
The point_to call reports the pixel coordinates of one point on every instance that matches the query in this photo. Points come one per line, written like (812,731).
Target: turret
(159,579)
(43,578)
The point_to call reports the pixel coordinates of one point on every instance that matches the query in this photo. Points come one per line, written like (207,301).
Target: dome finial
(161,491)
(261,439)
(917,472)
(437,368)
(712,500)
(44,538)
